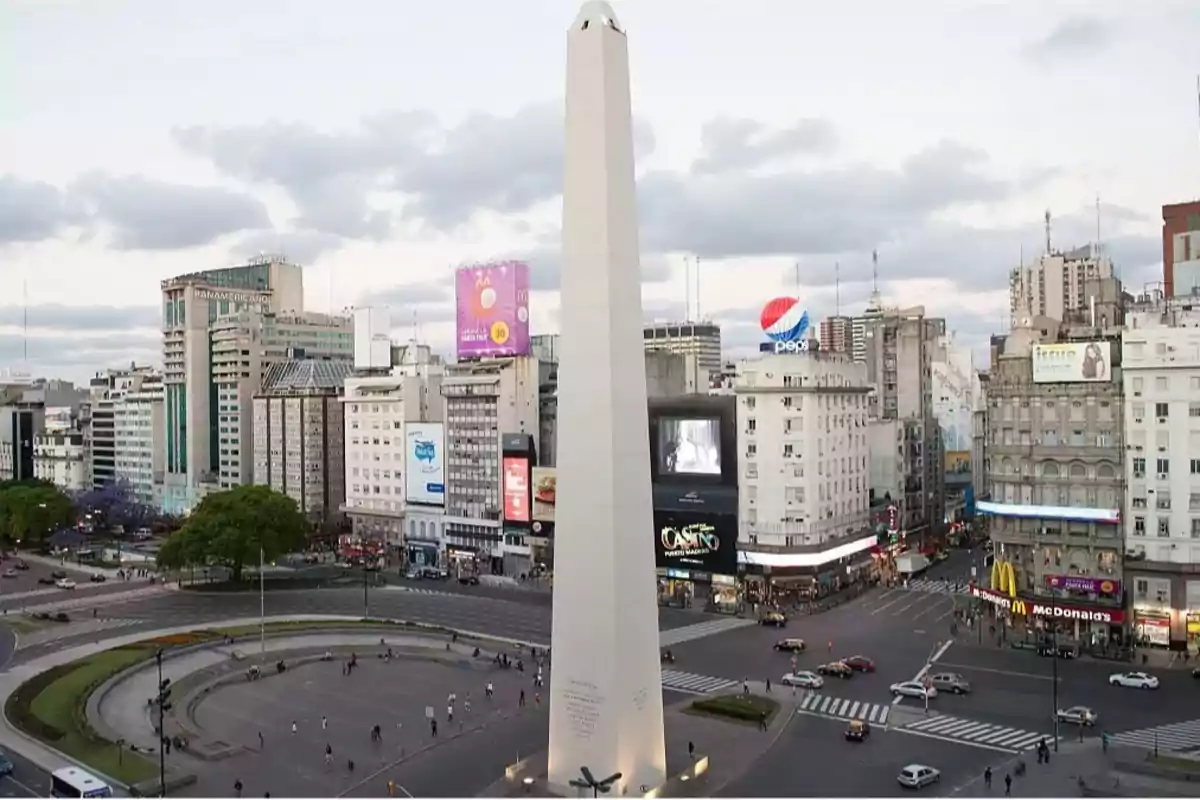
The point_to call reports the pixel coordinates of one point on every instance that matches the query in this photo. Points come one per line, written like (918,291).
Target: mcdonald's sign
(1019,607)
(1004,577)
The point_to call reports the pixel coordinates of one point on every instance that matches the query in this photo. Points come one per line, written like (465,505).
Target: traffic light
(164,695)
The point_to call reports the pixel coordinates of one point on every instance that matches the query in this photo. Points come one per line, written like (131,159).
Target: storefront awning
(811,559)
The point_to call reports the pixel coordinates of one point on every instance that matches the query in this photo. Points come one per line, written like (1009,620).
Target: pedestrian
(324,723)
(488,691)
(261,743)
(237,788)
(768,685)
(987,778)
(762,721)
(745,686)
(521,700)
(537,699)
(830,645)
(1007,785)
(450,714)
(328,755)
(467,704)
(293,727)
(350,765)
(691,751)
(391,787)
(433,726)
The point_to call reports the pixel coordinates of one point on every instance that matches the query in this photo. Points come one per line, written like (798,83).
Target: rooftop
(306,375)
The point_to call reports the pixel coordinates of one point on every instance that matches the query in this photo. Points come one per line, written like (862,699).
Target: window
(1141,587)
(1140,502)
(751,448)
(1161,410)
(749,402)
(1194,465)
(751,425)
(1163,501)
(1137,384)
(1194,409)
(787,451)
(1139,468)
(1194,502)
(1196,529)
(1164,528)
(1163,466)
(1160,384)
(1139,526)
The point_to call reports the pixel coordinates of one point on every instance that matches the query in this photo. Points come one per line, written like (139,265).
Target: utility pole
(1054,691)
(262,608)
(163,700)
(366,603)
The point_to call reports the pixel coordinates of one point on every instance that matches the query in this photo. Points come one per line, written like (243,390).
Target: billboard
(691,541)
(785,322)
(689,446)
(372,338)
(958,462)
(424,464)
(492,303)
(1072,362)
(515,488)
(545,491)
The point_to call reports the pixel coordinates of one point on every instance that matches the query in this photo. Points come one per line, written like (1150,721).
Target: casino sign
(1021,607)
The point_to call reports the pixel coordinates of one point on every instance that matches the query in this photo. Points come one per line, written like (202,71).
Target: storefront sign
(1153,630)
(696,542)
(697,539)
(1020,607)
(234,296)
(1077,584)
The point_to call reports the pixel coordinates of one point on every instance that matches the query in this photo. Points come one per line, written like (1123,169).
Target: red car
(859,663)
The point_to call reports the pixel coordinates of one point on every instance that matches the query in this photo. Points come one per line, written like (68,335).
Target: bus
(76,782)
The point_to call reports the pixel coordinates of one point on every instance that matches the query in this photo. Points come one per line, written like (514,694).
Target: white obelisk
(606,710)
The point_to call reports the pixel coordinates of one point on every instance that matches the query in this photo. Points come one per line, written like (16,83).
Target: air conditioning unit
(1137,394)
(1138,420)
(1162,419)
(1162,476)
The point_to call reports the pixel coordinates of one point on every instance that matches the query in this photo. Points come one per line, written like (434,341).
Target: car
(859,663)
(950,682)
(97,577)
(1077,715)
(6,764)
(916,776)
(1133,680)
(803,679)
(468,580)
(1051,650)
(21,565)
(58,574)
(835,669)
(790,645)
(858,730)
(46,580)
(11,573)
(913,689)
(773,618)
(1196,673)
(65,583)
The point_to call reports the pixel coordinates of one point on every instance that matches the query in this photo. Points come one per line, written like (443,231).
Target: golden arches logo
(1019,609)
(1004,578)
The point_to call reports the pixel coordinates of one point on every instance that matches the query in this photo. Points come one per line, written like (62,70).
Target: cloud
(743,144)
(83,355)
(1072,37)
(145,214)
(411,294)
(57,317)
(300,246)
(31,211)
(545,267)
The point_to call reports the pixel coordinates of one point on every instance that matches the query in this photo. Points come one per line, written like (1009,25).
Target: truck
(911,564)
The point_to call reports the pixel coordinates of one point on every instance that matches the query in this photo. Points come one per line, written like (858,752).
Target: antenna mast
(874,272)
(698,317)
(687,288)
(25,325)
(837,288)
(1048,250)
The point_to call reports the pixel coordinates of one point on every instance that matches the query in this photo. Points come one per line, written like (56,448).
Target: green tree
(32,510)
(228,529)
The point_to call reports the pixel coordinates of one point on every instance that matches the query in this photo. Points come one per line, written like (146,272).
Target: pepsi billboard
(785,322)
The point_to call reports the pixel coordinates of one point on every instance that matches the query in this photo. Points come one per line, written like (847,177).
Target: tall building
(955,390)
(1181,248)
(138,438)
(221,327)
(699,339)
(377,410)
(1061,286)
(27,409)
(837,334)
(1054,447)
(59,453)
(483,400)
(1160,364)
(899,345)
(803,466)
(299,434)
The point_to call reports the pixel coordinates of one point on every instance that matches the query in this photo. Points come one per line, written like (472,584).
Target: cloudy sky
(382,144)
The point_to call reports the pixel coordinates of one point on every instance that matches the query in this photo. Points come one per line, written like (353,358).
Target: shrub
(748,708)
(19,707)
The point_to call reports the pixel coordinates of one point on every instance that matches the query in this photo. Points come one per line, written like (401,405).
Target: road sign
(428,712)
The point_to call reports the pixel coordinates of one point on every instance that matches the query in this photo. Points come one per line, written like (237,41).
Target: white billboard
(372,338)
(424,463)
(1072,362)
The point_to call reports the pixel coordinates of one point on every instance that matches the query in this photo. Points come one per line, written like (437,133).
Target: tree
(114,505)
(30,511)
(228,529)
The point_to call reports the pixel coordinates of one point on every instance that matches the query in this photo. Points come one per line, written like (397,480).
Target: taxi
(773,618)
(858,731)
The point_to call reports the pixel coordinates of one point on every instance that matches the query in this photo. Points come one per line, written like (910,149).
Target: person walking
(768,685)
(762,721)
(293,727)
(328,754)
(450,714)
(324,723)
(521,700)
(489,691)
(433,726)
(1007,785)
(237,788)
(987,778)
(261,741)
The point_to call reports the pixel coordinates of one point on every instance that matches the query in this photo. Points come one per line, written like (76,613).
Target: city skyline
(268,137)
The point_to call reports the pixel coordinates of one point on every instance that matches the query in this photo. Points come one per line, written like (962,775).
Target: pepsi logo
(784,320)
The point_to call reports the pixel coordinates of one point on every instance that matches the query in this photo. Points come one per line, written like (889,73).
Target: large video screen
(689,446)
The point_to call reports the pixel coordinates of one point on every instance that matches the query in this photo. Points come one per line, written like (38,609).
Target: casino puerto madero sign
(690,541)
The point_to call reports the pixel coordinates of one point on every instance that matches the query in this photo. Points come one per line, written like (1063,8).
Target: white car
(803,679)
(914,776)
(1077,715)
(65,583)
(1133,680)
(913,689)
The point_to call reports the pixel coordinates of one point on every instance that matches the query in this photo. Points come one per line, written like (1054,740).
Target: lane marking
(933,607)
(1008,672)
(886,605)
(948,613)
(23,787)
(921,598)
(962,742)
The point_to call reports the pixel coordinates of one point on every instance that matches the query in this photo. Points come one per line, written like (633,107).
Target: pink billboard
(493,309)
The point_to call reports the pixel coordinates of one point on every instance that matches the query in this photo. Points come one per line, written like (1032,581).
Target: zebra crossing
(939,586)
(824,705)
(391,587)
(700,630)
(982,734)
(690,683)
(1173,738)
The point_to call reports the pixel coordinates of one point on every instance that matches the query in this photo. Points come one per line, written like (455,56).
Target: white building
(138,452)
(483,400)
(376,410)
(1160,360)
(106,389)
(60,457)
(1059,285)
(803,461)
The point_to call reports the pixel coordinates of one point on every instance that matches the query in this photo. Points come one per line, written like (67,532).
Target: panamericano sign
(1029,608)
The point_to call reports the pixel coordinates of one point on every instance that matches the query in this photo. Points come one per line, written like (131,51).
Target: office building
(1181,248)
(836,334)
(24,409)
(699,339)
(1160,363)
(299,434)
(1055,445)
(138,438)
(803,466)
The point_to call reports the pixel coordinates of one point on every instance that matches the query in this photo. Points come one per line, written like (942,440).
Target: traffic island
(751,709)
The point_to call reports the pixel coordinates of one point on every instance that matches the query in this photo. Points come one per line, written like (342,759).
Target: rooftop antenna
(874,302)
(837,288)
(25,325)
(1048,250)
(687,288)
(698,316)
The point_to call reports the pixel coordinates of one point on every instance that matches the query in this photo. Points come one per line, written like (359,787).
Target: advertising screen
(545,490)
(492,302)
(516,489)
(958,462)
(424,466)
(704,542)
(689,446)
(1072,362)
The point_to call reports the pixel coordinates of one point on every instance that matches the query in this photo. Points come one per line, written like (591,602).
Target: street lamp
(163,698)
(262,608)
(589,782)
(1054,673)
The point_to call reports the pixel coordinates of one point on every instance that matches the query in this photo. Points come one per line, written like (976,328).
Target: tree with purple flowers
(114,505)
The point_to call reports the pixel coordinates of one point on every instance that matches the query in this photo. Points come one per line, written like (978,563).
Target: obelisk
(606,710)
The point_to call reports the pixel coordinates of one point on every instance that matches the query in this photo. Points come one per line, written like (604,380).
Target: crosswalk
(1173,738)
(391,587)
(824,705)
(690,683)
(700,630)
(939,586)
(977,733)
(83,600)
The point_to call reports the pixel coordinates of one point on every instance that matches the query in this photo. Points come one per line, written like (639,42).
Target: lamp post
(262,608)
(366,601)
(1054,658)
(589,782)
(163,698)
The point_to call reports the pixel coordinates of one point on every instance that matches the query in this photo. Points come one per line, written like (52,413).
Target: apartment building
(699,339)
(836,334)
(1061,285)
(59,454)
(25,407)
(1160,361)
(299,434)
(803,466)
(138,439)
(1181,248)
